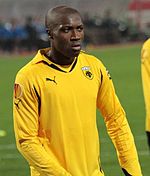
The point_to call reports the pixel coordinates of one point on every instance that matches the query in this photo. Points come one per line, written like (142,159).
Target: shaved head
(66,32)
(54,15)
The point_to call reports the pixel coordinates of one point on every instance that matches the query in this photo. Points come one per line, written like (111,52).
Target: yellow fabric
(55,118)
(145,70)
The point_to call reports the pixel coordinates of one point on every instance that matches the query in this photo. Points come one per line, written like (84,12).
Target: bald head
(66,32)
(54,15)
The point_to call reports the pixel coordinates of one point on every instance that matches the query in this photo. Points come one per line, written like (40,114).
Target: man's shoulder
(145,52)
(90,57)
(27,69)
(146,43)
(31,66)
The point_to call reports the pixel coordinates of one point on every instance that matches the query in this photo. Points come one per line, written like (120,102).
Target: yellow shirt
(145,70)
(55,117)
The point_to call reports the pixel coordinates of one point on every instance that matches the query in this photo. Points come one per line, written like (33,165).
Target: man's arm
(26,125)
(145,73)
(117,126)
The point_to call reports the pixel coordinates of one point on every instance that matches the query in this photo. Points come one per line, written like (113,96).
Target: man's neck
(59,58)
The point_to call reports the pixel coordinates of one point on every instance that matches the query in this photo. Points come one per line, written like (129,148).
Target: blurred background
(114,32)
(106,22)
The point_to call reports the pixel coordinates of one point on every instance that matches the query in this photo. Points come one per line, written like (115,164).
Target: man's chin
(76,52)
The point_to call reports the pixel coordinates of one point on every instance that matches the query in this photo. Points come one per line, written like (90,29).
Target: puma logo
(53,80)
(17,103)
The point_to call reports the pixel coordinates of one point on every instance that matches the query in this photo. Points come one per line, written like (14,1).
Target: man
(55,101)
(145,70)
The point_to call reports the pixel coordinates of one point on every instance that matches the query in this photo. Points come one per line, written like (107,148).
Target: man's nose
(75,34)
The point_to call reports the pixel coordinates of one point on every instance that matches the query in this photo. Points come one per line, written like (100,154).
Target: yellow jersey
(55,117)
(145,71)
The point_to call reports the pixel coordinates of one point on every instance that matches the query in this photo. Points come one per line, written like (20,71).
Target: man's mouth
(76,47)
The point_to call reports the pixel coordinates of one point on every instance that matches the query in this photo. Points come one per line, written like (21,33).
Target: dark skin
(66,34)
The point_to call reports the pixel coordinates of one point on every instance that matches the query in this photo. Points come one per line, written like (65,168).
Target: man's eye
(66,30)
(80,29)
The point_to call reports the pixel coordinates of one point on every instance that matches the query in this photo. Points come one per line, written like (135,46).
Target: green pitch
(123,64)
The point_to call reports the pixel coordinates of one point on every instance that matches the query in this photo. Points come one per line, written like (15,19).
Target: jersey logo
(53,80)
(87,72)
(18,91)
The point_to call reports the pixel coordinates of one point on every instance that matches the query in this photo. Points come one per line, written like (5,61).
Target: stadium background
(120,54)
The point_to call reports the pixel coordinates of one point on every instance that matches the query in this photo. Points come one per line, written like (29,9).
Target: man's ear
(50,33)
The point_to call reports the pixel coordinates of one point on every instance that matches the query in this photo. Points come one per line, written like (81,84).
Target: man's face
(68,35)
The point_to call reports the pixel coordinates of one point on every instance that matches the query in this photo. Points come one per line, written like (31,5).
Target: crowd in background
(31,35)
(16,37)
(108,30)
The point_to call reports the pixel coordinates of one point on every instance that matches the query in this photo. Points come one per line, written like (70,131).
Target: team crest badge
(87,72)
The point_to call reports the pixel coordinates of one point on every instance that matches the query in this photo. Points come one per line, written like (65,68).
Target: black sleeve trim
(101,76)
(125,172)
(148,138)
(39,99)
